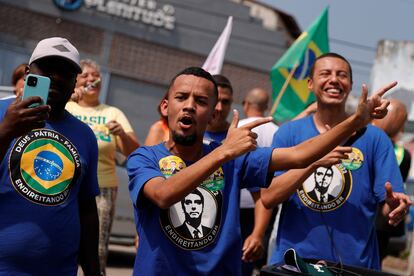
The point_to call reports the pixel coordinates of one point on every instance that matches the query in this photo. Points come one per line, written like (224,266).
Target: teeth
(333,91)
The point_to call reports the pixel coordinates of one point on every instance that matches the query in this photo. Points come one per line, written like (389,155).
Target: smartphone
(36,85)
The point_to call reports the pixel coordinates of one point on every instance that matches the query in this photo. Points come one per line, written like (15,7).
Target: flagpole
(283,90)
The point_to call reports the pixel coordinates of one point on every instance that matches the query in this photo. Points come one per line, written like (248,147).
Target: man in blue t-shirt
(48,179)
(328,211)
(217,172)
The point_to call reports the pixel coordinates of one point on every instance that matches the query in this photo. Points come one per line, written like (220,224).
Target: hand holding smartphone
(36,85)
(24,116)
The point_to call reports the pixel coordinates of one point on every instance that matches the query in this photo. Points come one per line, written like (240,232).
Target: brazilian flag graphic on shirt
(43,166)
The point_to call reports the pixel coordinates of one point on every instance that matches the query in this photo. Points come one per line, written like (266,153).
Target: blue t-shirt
(4,104)
(42,177)
(341,200)
(201,234)
(218,137)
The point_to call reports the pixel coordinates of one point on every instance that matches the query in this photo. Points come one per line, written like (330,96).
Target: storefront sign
(145,11)
(68,5)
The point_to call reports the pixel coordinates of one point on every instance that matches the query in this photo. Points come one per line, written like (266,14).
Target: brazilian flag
(292,70)
(47,167)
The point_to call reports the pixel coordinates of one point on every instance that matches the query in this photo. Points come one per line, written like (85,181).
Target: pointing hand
(242,139)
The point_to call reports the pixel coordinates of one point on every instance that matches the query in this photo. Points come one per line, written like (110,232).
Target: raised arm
(306,153)
(127,142)
(166,192)
(284,185)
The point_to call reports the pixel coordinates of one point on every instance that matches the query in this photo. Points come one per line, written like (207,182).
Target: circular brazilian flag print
(43,166)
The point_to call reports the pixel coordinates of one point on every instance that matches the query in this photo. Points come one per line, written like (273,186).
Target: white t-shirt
(265,134)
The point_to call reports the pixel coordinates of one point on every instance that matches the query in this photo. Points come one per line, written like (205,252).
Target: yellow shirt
(96,118)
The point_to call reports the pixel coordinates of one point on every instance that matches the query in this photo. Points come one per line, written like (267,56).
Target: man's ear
(164,107)
(213,116)
(246,107)
(26,71)
(310,84)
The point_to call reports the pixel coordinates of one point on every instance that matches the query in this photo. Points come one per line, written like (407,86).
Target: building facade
(142,44)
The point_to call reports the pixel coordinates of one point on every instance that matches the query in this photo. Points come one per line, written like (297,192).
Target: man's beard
(184,140)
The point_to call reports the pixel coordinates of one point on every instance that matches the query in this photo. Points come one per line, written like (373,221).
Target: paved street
(120,261)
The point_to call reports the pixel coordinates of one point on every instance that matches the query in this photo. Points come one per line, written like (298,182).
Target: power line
(361,72)
(360,63)
(353,44)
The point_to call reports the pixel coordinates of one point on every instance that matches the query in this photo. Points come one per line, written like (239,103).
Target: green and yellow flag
(289,75)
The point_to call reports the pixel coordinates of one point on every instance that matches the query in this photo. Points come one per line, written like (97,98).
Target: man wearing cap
(48,177)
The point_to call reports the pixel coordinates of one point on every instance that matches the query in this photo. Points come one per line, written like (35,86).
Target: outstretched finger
(385,88)
(235,120)
(364,94)
(388,190)
(258,122)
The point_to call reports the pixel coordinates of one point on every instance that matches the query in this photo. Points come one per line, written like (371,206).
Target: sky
(355,27)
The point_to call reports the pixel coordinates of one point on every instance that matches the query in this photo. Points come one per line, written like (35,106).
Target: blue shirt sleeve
(4,104)
(142,165)
(281,139)
(254,168)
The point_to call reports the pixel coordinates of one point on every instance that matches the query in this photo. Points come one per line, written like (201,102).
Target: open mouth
(186,122)
(334,92)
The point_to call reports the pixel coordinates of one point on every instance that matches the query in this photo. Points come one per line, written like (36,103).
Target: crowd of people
(207,192)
